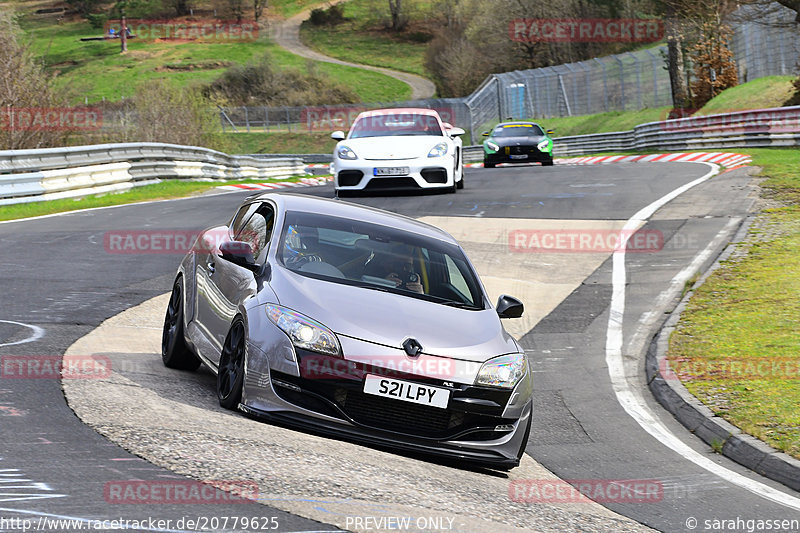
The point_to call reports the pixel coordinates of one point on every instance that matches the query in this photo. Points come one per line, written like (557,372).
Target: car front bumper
(517,154)
(481,424)
(422,173)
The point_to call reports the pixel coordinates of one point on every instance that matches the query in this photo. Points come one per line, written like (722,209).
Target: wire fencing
(763,45)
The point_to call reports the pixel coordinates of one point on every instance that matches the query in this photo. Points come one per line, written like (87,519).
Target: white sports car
(395,149)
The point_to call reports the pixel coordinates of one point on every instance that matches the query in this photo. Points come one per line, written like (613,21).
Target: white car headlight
(504,371)
(304,332)
(439,150)
(346,153)
(542,146)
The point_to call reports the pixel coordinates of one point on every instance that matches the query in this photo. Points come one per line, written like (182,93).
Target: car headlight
(439,150)
(504,371)
(492,146)
(304,332)
(346,153)
(542,146)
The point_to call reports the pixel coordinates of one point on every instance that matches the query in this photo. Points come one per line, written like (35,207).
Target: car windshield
(377,257)
(395,124)
(518,130)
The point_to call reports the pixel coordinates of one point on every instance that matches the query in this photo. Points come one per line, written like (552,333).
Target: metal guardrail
(742,129)
(53,173)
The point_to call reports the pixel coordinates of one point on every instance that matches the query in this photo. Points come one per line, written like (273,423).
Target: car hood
(394,147)
(388,319)
(513,141)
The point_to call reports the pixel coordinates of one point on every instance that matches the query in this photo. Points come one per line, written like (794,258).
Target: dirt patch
(203,65)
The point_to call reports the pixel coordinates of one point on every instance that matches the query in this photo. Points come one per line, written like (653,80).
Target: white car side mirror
(337,135)
(455,132)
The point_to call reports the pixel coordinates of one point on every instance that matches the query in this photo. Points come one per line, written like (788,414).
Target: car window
(241,217)
(395,124)
(378,257)
(257,230)
(518,130)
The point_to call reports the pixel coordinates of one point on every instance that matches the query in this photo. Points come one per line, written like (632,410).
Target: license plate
(522,156)
(390,171)
(406,391)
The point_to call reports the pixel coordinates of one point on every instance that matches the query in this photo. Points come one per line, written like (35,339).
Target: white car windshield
(378,257)
(391,124)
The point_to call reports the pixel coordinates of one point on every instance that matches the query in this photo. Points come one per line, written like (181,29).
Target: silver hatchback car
(355,322)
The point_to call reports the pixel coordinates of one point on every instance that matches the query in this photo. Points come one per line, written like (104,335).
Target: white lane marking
(36,333)
(627,396)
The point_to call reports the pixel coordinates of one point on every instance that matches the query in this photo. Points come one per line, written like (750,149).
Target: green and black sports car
(517,142)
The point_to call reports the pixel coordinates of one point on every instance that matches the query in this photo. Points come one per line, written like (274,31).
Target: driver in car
(400,269)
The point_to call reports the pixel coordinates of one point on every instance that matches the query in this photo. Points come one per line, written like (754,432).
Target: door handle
(210,267)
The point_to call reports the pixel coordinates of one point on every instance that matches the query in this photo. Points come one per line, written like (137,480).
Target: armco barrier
(741,129)
(47,174)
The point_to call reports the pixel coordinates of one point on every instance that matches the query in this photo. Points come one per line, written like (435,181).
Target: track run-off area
(543,234)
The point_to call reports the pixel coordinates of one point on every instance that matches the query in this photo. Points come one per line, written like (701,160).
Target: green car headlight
(504,371)
(492,146)
(544,145)
(304,332)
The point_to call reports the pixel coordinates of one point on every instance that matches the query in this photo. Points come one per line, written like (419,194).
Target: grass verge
(737,345)
(159,191)
(363,38)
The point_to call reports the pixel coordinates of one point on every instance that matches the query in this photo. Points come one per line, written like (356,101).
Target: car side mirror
(509,307)
(550,132)
(455,132)
(239,253)
(485,133)
(337,135)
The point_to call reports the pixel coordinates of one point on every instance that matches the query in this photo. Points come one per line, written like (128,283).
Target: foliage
(25,91)
(260,83)
(327,16)
(169,114)
(714,68)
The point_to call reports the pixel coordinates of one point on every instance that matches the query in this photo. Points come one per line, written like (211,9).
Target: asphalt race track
(61,282)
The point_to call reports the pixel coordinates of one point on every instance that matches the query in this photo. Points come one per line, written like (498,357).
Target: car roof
(338,208)
(399,111)
(519,123)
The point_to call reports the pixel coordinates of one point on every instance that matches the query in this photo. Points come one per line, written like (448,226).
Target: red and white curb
(727,160)
(303,182)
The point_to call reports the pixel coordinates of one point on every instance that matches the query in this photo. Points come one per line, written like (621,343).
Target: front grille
(349,178)
(434,175)
(328,387)
(519,150)
(392,183)
(396,415)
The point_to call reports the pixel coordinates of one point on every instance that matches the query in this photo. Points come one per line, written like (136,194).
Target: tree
(24,90)
(396,11)
(258,8)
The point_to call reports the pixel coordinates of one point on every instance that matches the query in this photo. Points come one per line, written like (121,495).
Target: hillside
(94,70)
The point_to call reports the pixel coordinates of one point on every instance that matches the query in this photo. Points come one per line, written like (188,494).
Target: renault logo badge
(412,347)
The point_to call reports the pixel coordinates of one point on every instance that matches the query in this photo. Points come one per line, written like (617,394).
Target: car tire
(548,163)
(230,375)
(175,353)
(486,164)
(460,184)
